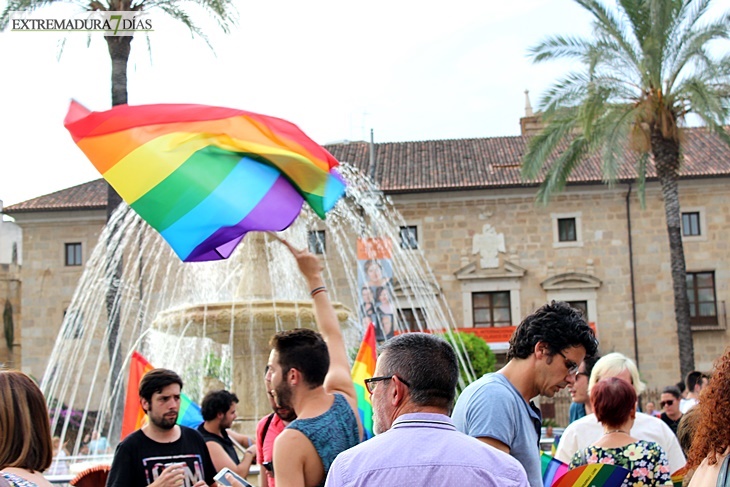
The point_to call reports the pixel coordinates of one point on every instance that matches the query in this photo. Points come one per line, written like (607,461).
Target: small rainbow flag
(678,476)
(594,475)
(205,176)
(134,416)
(552,469)
(364,368)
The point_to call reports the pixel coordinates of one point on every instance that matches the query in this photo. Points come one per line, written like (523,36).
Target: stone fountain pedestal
(247,326)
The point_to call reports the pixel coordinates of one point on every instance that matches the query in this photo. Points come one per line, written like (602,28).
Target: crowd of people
(489,436)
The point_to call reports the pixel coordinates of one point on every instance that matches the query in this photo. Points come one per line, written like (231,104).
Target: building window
(409,237)
(491,309)
(317,242)
(14,256)
(411,318)
(691,224)
(581,306)
(566,230)
(73,254)
(701,295)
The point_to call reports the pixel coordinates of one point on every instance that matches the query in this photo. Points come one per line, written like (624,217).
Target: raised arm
(338,378)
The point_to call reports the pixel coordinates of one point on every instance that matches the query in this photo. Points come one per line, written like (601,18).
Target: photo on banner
(375,277)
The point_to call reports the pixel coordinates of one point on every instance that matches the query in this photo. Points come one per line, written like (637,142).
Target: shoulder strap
(263,431)
(722,479)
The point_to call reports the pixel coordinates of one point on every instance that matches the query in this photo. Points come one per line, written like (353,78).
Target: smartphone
(220,477)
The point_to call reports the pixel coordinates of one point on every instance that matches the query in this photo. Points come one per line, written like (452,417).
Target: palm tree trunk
(119,49)
(666,158)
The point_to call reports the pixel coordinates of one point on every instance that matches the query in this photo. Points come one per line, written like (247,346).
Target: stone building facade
(11,257)
(496,254)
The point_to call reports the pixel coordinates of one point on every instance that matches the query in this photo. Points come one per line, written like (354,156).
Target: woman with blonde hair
(25,430)
(711,443)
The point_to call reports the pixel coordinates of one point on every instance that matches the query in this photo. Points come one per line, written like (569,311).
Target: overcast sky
(409,70)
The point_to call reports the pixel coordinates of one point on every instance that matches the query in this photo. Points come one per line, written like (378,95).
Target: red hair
(613,400)
(712,437)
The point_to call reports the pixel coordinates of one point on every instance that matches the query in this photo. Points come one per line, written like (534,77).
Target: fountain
(211,322)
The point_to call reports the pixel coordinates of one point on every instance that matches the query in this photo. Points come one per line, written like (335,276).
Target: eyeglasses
(585,374)
(570,365)
(370,383)
(666,403)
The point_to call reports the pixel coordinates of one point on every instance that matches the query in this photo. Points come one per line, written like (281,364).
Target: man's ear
(541,350)
(293,376)
(145,404)
(398,393)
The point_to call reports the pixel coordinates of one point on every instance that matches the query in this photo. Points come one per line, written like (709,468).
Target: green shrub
(477,350)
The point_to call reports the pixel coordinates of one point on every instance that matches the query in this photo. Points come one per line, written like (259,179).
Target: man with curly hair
(544,354)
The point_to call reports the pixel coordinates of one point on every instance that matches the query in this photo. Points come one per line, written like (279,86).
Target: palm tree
(649,65)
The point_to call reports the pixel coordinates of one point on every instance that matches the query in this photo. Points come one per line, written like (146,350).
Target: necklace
(614,431)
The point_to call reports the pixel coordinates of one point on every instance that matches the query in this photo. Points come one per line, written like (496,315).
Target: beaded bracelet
(317,290)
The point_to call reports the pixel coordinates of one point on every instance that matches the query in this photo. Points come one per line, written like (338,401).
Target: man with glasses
(588,430)
(669,403)
(416,442)
(543,358)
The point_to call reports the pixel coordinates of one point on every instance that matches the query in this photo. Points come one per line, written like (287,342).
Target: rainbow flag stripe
(205,176)
(594,475)
(552,469)
(134,416)
(364,368)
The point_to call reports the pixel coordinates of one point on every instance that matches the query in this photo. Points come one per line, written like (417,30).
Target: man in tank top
(310,373)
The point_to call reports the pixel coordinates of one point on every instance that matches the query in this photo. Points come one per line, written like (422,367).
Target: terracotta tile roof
(86,196)
(441,165)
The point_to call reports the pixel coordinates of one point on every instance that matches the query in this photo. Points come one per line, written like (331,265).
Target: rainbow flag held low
(204,176)
(552,469)
(594,475)
(678,476)
(364,368)
(134,416)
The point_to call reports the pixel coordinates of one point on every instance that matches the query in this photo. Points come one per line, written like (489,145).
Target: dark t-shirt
(224,441)
(670,422)
(139,460)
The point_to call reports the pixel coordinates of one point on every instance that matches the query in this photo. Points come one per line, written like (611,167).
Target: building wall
(485,240)
(449,224)
(48,284)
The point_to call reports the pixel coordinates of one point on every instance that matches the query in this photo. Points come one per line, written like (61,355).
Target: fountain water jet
(215,318)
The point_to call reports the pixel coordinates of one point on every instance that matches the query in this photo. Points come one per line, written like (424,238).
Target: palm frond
(708,101)
(542,146)
(613,131)
(608,24)
(559,47)
(559,171)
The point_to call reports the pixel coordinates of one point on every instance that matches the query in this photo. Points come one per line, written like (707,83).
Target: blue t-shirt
(491,407)
(576,411)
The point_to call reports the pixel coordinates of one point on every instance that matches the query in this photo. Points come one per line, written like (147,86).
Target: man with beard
(310,374)
(266,432)
(219,410)
(161,453)
(416,442)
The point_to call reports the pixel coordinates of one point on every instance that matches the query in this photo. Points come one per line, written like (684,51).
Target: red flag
(134,415)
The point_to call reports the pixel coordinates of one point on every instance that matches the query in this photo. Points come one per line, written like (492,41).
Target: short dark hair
(672,390)
(613,400)
(590,362)
(216,402)
(155,380)
(693,378)
(556,324)
(681,387)
(427,363)
(305,350)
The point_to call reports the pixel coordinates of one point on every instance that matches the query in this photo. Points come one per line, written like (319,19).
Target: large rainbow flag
(134,416)
(552,469)
(364,368)
(205,176)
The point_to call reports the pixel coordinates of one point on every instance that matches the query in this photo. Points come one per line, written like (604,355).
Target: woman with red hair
(711,443)
(614,403)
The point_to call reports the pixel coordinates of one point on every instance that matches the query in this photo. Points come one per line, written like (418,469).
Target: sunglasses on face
(666,403)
